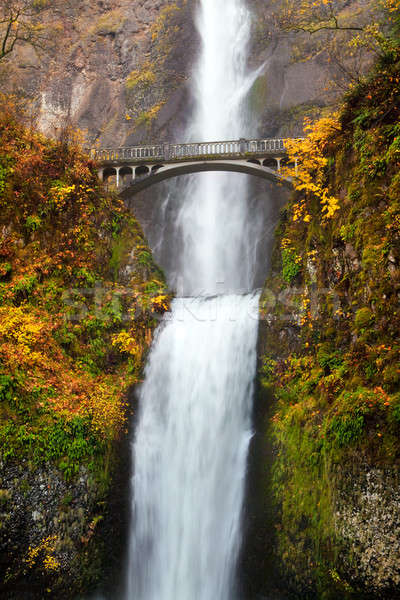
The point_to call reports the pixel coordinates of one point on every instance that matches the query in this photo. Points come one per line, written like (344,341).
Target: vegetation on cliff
(147,87)
(332,345)
(350,34)
(80,296)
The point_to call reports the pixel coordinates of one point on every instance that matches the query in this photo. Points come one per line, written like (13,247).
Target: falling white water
(194,425)
(190,450)
(218,236)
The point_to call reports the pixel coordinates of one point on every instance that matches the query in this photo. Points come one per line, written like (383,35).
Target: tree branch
(311,30)
(11,22)
(20,23)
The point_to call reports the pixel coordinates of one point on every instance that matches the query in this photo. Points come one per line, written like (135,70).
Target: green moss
(66,443)
(364,318)
(5,497)
(346,429)
(118,249)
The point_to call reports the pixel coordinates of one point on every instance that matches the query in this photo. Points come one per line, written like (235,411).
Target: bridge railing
(166,152)
(129,153)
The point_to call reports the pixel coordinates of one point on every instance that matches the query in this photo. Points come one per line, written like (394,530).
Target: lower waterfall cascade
(191,449)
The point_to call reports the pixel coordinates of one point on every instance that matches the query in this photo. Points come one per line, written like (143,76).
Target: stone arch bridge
(136,168)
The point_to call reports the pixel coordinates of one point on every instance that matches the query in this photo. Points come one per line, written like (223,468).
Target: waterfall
(218,236)
(194,424)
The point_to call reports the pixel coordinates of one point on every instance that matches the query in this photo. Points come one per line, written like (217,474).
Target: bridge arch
(142,170)
(164,172)
(269,162)
(139,167)
(109,173)
(126,175)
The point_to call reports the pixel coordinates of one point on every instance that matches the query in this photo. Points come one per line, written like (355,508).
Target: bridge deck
(192,151)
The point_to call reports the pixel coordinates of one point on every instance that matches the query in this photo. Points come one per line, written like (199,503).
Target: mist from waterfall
(194,426)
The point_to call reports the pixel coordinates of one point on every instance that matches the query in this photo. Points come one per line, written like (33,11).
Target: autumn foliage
(332,349)
(309,176)
(64,242)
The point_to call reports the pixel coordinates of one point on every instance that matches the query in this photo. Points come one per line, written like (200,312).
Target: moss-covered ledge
(330,356)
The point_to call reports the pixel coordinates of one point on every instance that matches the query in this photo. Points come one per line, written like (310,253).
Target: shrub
(396,411)
(144,77)
(4,171)
(346,429)
(6,387)
(327,358)
(144,258)
(391,375)
(291,264)
(5,269)
(109,23)
(32,223)
(25,286)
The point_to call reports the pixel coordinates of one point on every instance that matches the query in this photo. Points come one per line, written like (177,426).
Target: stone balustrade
(169,152)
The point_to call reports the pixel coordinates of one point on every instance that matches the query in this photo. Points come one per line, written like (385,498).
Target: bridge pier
(120,172)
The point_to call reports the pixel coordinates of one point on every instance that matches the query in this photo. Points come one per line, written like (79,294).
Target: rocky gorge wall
(44,520)
(121,71)
(328,425)
(118,67)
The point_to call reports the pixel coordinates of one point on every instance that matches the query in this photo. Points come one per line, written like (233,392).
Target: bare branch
(311,30)
(20,24)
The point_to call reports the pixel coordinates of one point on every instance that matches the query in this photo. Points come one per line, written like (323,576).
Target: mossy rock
(109,23)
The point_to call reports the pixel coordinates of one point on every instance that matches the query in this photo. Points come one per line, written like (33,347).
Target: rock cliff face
(294,82)
(329,355)
(122,68)
(367,518)
(44,520)
(61,538)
